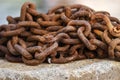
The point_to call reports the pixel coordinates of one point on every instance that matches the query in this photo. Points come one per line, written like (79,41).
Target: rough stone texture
(90,69)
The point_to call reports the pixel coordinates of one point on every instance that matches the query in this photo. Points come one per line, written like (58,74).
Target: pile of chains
(63,34)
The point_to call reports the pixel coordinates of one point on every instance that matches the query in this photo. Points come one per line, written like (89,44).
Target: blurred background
(12,7)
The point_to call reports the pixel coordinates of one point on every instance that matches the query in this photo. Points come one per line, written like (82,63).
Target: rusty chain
(63,34)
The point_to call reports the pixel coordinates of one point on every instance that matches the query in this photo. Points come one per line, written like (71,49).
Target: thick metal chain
(63,34)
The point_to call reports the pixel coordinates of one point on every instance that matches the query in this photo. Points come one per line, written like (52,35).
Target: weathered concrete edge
(102,70)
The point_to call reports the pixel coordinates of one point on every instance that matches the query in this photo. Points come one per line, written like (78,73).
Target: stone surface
(90,69)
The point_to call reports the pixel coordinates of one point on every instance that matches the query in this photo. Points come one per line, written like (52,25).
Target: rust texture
(63,34)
